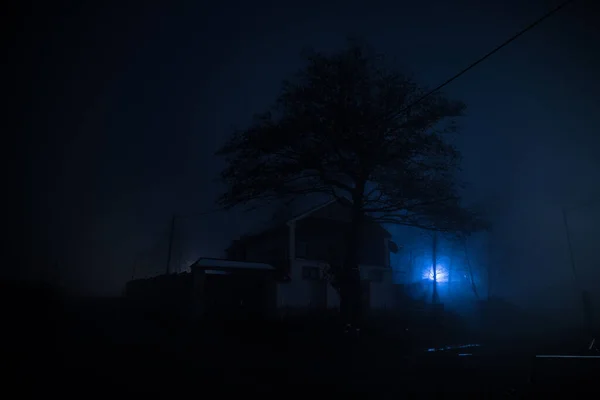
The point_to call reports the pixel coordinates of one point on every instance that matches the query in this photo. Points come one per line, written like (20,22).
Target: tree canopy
(350,127)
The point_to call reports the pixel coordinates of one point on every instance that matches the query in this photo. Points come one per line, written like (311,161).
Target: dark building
(302,246)
(215,288)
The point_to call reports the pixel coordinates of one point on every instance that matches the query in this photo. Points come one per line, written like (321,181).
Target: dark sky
(127,104)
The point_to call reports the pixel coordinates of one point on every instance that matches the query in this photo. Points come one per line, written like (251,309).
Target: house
(213,288)
(233,288)
(302,247)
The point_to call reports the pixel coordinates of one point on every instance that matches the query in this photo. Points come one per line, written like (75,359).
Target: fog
(125,138)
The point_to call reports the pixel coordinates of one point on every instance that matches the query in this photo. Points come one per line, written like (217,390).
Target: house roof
(294,211)
(297,215)
(310,211)
(208,263)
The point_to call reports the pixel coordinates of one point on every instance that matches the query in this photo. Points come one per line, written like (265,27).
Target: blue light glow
(441,274)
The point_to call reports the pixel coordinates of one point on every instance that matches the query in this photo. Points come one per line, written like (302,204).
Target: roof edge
(309,212)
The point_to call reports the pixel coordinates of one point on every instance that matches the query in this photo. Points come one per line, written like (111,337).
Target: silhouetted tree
(350,127)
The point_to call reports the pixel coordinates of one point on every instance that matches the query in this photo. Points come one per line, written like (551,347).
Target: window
(376,275)
(310,273)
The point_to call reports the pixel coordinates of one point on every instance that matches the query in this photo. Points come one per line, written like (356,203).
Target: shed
(233,289)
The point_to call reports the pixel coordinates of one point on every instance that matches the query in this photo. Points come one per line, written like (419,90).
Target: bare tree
(350,127)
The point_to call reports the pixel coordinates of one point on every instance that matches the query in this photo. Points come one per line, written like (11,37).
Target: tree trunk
(435,298)
(489,269)
(473,285)
(451,273)
(350,288)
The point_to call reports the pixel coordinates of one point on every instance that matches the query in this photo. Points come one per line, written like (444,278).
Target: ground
(82,345)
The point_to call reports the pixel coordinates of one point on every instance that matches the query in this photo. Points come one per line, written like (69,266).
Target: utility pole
(568,233)
(587,302)
(489,268)
(171,234)
(471,277)
(582,206)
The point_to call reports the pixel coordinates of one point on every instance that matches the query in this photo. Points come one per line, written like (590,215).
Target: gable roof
(219,263)
(312,210)
(309,212)
(274,226)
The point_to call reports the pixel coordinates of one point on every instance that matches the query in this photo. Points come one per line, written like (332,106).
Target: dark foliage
(351,128)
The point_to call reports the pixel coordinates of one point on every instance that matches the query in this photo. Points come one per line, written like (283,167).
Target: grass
(60,342)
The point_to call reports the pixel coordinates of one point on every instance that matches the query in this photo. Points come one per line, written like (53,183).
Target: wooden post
(568,233)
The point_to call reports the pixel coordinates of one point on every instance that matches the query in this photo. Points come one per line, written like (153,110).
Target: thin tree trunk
(435,298)
(451,271)
(489,269)
(473,286)
(411,266)
(351,290)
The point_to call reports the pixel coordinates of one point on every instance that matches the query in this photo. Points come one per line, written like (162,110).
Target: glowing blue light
(441,274)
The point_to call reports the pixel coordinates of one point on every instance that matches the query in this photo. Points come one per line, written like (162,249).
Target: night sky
(127,104)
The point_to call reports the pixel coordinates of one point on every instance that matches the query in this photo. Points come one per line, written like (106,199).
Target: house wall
(381,295)
(318,239)
(381,292)
(250,293)
(302,292)
(322,239)
(367,272)
(375,240)
(333,298)
(298,292)
(293,294)
(333,211)
(269,248)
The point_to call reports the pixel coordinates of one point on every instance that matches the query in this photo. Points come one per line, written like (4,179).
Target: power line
(505,43)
